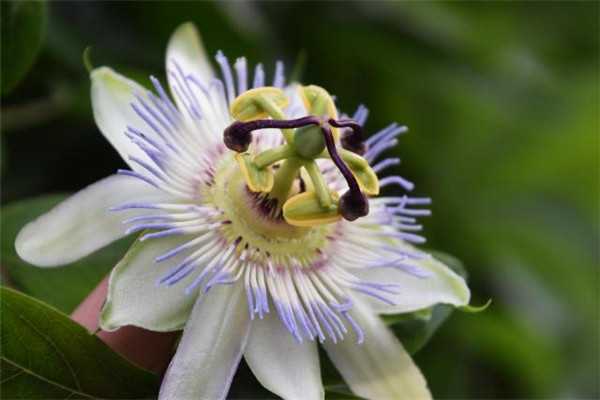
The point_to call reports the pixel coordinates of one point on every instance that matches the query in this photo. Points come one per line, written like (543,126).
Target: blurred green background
(502,102)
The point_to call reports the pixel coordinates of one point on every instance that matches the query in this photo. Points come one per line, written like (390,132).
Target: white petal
(133,297)
(112,95)
(442,285)
(285,367)
(186,49)
(83,223)
(379,368)
(211,347)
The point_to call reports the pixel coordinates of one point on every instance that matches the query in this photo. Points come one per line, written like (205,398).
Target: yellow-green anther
(271,156)
(259,103)
(353,160)
(304,209)
(366,177)
(257,179)
(323,194)
(318,102)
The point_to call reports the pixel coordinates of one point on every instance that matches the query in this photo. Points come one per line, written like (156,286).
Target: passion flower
(261,232)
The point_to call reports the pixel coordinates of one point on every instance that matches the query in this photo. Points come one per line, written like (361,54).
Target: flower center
(258,231)
(262,216)
(307,139)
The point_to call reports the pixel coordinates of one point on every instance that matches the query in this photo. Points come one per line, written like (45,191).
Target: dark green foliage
(45,355)
(23,24)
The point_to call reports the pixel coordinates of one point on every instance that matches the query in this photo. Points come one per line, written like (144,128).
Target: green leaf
(23,24)
(47,355)
(62,287)
(415,329)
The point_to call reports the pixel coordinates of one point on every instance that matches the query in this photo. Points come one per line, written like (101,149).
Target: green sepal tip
(475,309)
(87,59)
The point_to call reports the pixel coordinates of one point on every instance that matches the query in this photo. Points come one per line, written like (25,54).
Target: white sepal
(135,299)
(112,95)
(378,368)
(211,347)
(282,365)
(83,223)
(438,284)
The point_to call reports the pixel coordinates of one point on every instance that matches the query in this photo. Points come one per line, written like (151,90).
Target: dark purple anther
(237,137)
(352,138)
(353,206)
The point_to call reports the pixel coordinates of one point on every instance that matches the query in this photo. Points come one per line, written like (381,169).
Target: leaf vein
(49,340)
(40,377)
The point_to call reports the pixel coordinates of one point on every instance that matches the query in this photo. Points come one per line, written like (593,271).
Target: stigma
(272,172)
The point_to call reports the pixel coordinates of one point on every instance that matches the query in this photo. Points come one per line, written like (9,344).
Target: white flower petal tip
(81,224)
(211,347)
(134,298)
(186,49)
(435,284)
(379,368)
(282,365)
(112,96)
